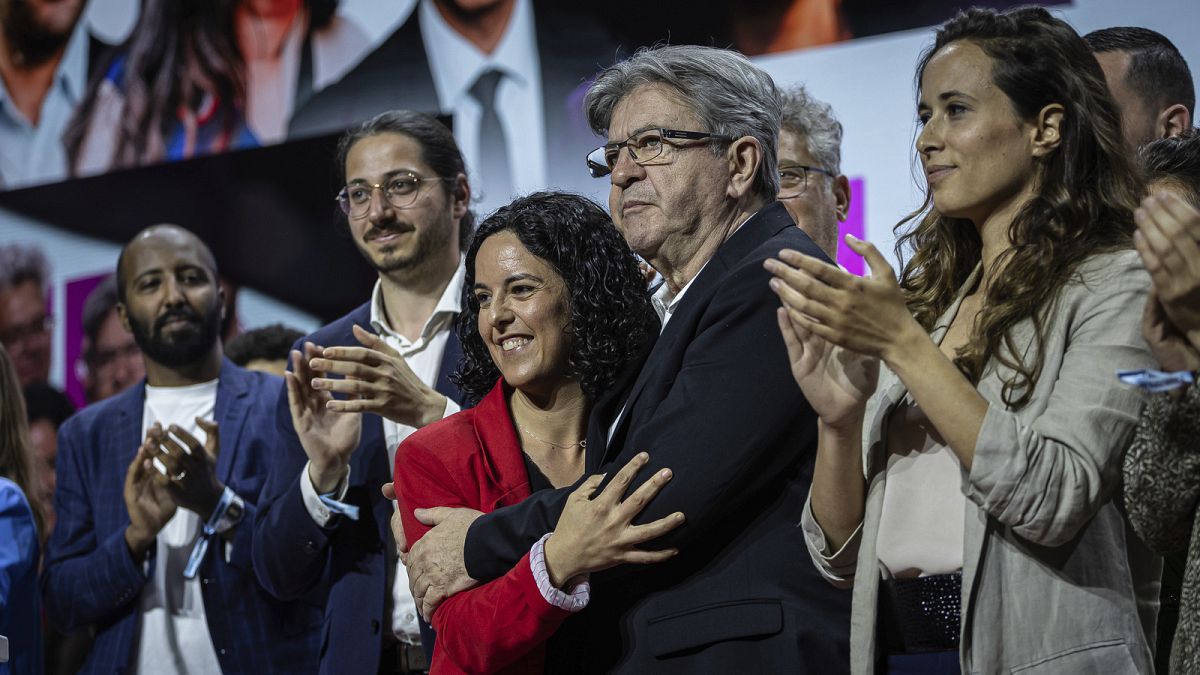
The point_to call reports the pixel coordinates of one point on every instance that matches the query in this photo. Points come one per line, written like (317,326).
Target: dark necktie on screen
(492,173)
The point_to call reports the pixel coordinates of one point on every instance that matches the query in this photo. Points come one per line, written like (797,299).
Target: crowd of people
(672,436)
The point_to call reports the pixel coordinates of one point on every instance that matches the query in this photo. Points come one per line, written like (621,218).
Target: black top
(537,479)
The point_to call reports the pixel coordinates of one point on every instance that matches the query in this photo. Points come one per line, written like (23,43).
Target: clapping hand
(328,438)
(147,500)
(190,467)
(1168,239)
(379,380)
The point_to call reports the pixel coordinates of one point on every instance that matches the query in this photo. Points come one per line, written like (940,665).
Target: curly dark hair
(269,343)
(1083,204)
(611,316)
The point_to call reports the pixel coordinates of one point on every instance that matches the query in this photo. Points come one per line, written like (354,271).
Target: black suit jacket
(342,566)
(715,401)
(571,50)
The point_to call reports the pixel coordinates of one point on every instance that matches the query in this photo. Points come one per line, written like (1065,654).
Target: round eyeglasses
(400,191)
(793,179)
(644,146)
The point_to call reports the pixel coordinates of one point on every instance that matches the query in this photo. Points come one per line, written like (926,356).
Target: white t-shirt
(173,636)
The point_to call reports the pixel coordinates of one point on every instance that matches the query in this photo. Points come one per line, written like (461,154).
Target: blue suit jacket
(90,577)
(344,565)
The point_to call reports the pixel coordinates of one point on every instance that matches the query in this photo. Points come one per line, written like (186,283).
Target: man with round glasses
(811,185)
(362,384)
(693,134)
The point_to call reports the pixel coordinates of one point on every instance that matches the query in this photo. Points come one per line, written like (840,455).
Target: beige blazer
(1054,581)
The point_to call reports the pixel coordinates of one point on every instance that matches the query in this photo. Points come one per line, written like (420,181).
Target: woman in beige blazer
(966,487)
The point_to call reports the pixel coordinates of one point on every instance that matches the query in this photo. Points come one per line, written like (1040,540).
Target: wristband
(228,497)
(1156,381)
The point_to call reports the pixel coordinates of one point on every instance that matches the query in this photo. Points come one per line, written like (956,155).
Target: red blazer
(473,459)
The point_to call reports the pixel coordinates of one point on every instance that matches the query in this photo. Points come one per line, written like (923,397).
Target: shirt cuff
(320,513)
(579,589)
(839,565)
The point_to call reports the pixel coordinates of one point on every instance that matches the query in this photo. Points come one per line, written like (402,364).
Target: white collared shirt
(456,64)
(31,154)
(424,357)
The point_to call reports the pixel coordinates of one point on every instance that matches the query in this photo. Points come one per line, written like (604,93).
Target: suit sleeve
(488,627)
(1046,479)
(85,579)
(18,555)
(728,428)
(290,551)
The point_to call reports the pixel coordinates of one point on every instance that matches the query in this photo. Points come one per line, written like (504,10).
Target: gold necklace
(581,442)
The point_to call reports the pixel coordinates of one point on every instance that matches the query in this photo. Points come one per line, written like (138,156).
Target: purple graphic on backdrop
(77,292)
(856,225)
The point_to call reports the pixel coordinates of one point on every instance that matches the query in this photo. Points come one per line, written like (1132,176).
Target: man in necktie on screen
(158,486)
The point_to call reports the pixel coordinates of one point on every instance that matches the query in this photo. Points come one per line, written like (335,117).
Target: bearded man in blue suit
(158,486)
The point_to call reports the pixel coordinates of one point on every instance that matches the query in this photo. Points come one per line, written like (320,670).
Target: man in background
(25,322)
(811,185)
(47,409)
(264,349)
(112,357)
(1149,79)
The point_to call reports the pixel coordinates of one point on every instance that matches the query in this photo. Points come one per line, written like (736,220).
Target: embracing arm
(735,369)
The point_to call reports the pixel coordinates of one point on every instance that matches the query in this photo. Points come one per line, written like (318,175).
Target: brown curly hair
(1085,194)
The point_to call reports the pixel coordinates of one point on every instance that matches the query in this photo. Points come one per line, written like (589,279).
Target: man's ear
(841,197)
(123,315)
(1047,133)
(460,197)
(1173,121)
(745,157)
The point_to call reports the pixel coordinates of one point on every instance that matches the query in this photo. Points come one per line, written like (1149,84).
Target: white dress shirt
(456,64)
(32,154)
(424,357)
(173,634)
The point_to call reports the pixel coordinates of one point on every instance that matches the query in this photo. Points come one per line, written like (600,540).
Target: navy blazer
(342,566)
(715,401)
(90,576)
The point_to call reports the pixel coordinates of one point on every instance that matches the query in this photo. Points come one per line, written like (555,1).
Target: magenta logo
(856,225)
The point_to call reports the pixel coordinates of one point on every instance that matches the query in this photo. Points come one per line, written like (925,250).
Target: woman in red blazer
(555,309)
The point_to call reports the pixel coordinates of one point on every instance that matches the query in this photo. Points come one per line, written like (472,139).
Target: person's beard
(30,41)
(428,244)
(186,346)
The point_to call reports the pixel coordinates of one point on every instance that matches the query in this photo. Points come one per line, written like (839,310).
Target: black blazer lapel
(760,227)
(450,358)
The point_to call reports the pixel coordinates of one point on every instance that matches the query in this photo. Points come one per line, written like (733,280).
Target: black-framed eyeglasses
(400,190)
(644,147)
(793,179)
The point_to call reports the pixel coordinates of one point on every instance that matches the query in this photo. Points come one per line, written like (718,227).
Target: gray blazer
(1054,581)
